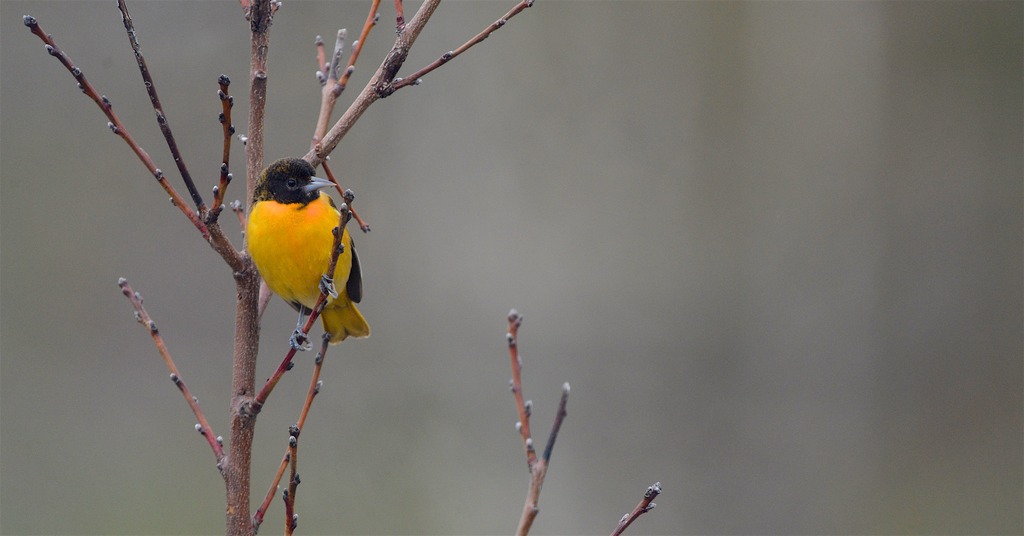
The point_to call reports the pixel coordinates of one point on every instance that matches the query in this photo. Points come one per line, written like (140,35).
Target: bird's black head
(289,180)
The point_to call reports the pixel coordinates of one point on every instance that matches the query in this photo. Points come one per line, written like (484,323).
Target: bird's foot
(299,341)
(327,287)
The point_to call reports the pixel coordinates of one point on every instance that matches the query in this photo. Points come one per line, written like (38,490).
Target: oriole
(290,238)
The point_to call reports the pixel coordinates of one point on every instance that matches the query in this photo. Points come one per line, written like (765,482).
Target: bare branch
(247,284)
(291,519)
(645,505)
(161,118)
(333,82)
(538,467)
(314,389)
(227,102)
(399,17)
(116,126)
(348,196)
(371,92)
(203,427)
(415,78)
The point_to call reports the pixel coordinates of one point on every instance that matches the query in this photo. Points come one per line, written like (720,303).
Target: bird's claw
(299,341)
(327,287)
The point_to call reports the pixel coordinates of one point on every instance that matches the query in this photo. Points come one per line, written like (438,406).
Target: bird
(290,237)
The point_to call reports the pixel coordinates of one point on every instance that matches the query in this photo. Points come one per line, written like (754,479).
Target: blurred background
(776,248)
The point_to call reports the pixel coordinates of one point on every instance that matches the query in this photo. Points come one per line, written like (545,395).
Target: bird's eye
(292,183)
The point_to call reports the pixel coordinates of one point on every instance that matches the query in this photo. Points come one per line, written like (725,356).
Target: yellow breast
(291,246)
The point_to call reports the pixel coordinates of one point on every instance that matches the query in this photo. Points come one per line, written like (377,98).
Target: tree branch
(247,283)
(115,124)
(645,505)
(348,196)
(314,389)
(227,102)
(538,467)
(203,427)
(161,118)
(416,77)
(370,93)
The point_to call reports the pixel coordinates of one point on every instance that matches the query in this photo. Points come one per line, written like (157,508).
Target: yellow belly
(291,246)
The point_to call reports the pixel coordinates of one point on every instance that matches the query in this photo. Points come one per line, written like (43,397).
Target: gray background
(775,247)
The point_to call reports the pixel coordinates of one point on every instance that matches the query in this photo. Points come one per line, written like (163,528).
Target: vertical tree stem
(247,281)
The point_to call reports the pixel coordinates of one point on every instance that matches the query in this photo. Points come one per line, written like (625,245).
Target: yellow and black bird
(290,238)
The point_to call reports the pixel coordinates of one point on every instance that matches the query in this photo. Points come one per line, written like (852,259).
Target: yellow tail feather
(344,320)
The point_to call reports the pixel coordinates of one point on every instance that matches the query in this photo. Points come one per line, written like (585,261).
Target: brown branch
(203,427)
(370,93)
(645,505)
(236,207)
(116,126)
(314,389)
(538,467)
(514,321)
(415,78)
(161,118)
(357,46)
(259,13)
(333,82)
(383,83)
(291,519)
(286,363)
(227,102)
(399,17)
(348,196)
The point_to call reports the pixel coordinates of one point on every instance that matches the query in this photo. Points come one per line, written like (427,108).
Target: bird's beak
(316,183)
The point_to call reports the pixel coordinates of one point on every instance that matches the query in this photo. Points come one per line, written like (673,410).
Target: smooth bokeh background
(775,247)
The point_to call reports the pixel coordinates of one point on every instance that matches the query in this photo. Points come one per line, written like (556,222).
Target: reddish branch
(645,505)
(348,196)
(415,78)
(161,118)
(227,102)
(369,94)
(289,455)
(291,519)
(384,81)
(399,17)
(203,427)
(333,82)
(538,467)
(115,124)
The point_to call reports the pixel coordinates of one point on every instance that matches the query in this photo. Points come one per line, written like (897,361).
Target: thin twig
(115,124)
(314,389)
(538,467)
(161,118)
(227,102)
(239,210)
(203,427)
(348,196)
(286,363)
(383,83)
(291,519)
(332,81)
(370,93)
(514,321)
(645,505)
(357,46)
(416,77)
(399,17)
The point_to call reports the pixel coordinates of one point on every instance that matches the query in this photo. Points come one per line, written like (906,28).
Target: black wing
(354,286)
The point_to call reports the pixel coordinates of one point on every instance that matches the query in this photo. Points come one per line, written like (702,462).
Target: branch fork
(538,467)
